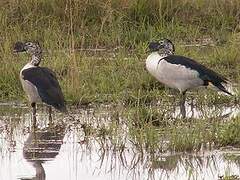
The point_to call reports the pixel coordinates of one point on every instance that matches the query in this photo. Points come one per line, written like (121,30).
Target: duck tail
(224,88)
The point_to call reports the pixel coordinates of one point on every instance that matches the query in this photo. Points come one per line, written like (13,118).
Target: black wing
(206,74)
(47,85)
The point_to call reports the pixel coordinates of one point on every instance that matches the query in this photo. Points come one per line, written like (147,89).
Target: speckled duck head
(32,48)
(163,46)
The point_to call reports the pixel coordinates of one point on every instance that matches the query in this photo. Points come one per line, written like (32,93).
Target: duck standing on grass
(39,83)
(180,72)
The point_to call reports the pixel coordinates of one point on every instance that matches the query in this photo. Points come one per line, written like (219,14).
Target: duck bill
(19,47)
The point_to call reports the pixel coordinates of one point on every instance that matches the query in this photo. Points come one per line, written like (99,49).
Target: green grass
(114,76)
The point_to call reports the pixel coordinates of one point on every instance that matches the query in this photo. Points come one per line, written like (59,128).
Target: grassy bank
(73,33)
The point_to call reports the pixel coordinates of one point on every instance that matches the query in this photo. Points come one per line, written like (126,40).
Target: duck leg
(182,104)
(34,110)
(50,115)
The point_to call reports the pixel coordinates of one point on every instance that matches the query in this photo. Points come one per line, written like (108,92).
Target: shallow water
(64,149)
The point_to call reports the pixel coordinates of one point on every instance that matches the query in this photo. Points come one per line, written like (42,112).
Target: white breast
(152,63)
(28,87)
(173,75)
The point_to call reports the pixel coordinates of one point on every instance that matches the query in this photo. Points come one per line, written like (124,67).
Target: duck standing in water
(39,83)
(180,72)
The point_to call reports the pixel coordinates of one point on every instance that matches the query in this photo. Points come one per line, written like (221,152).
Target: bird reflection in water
(43,145)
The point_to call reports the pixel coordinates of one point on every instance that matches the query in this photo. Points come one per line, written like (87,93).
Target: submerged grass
(151,131)
(189,135)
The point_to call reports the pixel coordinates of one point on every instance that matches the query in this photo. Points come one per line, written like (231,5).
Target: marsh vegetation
(98,48)
(98,51)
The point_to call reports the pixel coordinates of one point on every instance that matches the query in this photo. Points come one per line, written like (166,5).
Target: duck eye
(28,44)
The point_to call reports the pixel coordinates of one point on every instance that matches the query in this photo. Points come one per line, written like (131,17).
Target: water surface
(65,149)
